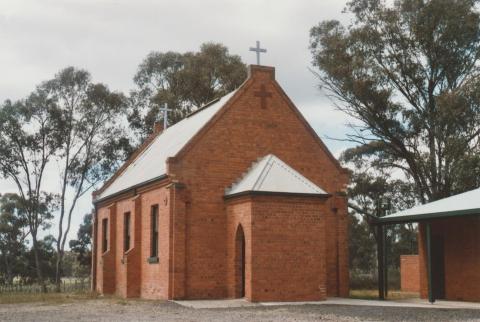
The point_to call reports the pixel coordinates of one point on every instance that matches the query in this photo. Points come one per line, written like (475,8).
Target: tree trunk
(9,273)
(58,272)
(38,265)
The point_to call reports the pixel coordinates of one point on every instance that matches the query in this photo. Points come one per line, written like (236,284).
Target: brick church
(239,199)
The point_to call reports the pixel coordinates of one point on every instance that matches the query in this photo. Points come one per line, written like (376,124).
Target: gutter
(427,216)
(275,193)
(134,188)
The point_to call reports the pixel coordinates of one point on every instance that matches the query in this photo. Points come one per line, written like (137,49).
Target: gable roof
(467,203)
(148,163)
(270,174)
(151,162)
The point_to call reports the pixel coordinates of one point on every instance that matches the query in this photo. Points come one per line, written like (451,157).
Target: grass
(61,298)
(373,295)
(50,298)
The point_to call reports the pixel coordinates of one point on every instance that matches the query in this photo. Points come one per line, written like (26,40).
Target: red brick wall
(127,263)
(288,243)
(285,248)
(337,245)
(128,274)
(106,260)
(462,257)
(238,136)
(132,258)
(409,273)
(239,212)
(120,265)
(155,276)
(342,266)
(178,209)
(94,264)
(101,214)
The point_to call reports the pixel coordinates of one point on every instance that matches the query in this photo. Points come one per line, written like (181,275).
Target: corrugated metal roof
(151,163)
(270,174)
(467,203)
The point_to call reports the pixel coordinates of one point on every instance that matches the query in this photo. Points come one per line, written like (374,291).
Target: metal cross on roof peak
(165,111)
(258,50)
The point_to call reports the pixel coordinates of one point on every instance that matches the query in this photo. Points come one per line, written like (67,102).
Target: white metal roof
(462,204)
(270,174)
(151,163)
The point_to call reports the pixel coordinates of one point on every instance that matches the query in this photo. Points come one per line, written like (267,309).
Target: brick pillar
(342,244)
(409,273)
(177,268)
(109,257)
(133,256)
(94,250)
(422,261)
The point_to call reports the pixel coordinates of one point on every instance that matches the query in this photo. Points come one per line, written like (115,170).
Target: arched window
(240,262)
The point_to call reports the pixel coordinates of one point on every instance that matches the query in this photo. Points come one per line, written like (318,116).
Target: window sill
(152,260)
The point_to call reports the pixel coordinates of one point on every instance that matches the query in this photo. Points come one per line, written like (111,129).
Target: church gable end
(259,120)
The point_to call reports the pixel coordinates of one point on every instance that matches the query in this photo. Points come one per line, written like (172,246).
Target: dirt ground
(136,310)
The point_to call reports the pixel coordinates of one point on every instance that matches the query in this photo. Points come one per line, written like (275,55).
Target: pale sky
(110,38)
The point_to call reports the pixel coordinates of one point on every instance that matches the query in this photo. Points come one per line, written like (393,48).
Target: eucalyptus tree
(407,71)
(13,232)
(375,194)
(28,141)
(93,143)
(82,246)
(184,81)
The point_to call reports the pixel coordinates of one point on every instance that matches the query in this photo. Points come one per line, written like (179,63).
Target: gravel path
(117,310)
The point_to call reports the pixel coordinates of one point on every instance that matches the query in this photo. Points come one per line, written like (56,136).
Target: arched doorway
(239,263)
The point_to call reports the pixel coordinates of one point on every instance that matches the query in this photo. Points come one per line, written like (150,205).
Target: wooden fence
(67,286)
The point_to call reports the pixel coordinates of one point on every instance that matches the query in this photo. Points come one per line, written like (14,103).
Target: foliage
(47,261)
(28,141)
(182,81)
(375,194)
(408,73)
(361,247)
(48,256)
(72,121)
(81,246)
(13,231)
(80,125)
(92,142)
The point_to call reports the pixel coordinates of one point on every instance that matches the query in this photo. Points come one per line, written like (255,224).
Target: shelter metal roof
(467,203)
(270,174)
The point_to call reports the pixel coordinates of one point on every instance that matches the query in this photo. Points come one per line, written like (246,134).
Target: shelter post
(385,261)
(428,229)
(380,261)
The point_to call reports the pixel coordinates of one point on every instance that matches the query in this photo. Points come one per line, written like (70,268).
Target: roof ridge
(263,175)
(200,109)
(204,106)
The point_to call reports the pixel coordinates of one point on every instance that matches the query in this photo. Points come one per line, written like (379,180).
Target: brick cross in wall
(263,94)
